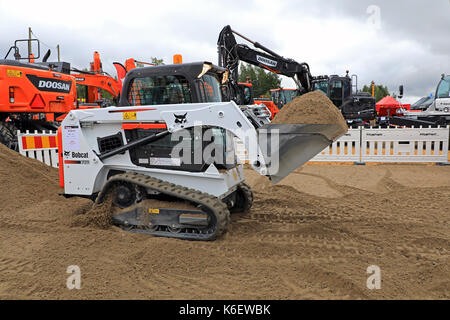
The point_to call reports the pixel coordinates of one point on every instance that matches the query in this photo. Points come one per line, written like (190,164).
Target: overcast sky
(390,42)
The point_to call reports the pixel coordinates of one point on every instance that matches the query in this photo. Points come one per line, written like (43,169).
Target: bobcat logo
(66,153)
(180,118)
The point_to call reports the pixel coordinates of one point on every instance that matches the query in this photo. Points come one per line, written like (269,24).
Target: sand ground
(311,237)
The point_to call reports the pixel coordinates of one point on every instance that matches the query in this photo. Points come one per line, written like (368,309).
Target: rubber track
(249,193)
(214,204)
(247,190)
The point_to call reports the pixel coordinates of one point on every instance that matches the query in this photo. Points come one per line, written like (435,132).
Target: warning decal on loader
(129,116)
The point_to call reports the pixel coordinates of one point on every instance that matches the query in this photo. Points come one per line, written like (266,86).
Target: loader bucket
(286,147)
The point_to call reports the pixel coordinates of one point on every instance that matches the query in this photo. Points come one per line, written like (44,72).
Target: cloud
(411,47)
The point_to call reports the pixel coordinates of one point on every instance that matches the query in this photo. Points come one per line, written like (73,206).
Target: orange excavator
(246,91)
(91,84)
(37,95)
(282,96)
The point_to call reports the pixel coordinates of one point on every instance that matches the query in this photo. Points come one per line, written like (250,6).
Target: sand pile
(312,107)
(99,215)
(25,180)
(30,188)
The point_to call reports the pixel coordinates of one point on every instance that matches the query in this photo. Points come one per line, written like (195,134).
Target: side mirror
(400,91)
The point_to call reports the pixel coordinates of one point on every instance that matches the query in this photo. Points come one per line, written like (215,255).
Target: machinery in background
(357,107)
(232,53)
(438,113)
(281,96)
(262,106)
(423,103)
(32,94)
(37,95)
(92,84)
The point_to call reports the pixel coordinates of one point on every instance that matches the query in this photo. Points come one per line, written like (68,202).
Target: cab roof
(192,69)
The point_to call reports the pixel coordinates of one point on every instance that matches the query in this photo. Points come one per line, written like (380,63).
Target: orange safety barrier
(39,142)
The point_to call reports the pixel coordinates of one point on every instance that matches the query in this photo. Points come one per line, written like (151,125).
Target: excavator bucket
(286,147)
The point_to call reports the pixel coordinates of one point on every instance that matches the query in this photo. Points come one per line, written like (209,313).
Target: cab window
(443,90)
(347,89)
(336,89)
(322,86)
(210,89)
(155,90)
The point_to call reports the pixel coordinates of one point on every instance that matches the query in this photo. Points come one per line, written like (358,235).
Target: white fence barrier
(404,144)
(382,145)
(357,145)
(42,146)
(346,148)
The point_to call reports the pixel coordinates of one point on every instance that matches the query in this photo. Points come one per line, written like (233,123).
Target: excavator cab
(353,105)
(33,45)
(282,96)
(245,93)
(442,101)
(339,89)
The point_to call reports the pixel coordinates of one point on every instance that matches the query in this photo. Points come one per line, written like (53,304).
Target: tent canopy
(388,101)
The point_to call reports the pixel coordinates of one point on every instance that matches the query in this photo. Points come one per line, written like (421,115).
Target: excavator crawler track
(213,207)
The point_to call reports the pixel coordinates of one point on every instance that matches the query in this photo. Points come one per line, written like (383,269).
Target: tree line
(263,81)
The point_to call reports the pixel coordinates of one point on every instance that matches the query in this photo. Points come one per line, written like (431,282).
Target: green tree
(153,60)
(380,91)
(157,61)
(262,80)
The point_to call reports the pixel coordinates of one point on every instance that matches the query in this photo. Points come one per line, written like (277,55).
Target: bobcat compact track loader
(165,157)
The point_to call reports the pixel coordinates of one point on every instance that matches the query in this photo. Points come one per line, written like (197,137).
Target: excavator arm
(231,53)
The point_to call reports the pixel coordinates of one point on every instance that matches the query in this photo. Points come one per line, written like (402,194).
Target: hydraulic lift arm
(230,53)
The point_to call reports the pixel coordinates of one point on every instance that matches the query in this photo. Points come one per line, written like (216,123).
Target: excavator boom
(231,53)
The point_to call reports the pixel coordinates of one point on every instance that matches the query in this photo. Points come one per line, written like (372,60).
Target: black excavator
(231,53)
(355,106)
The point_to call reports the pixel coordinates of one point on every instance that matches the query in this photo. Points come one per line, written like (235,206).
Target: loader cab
(198,82)
(173,84)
